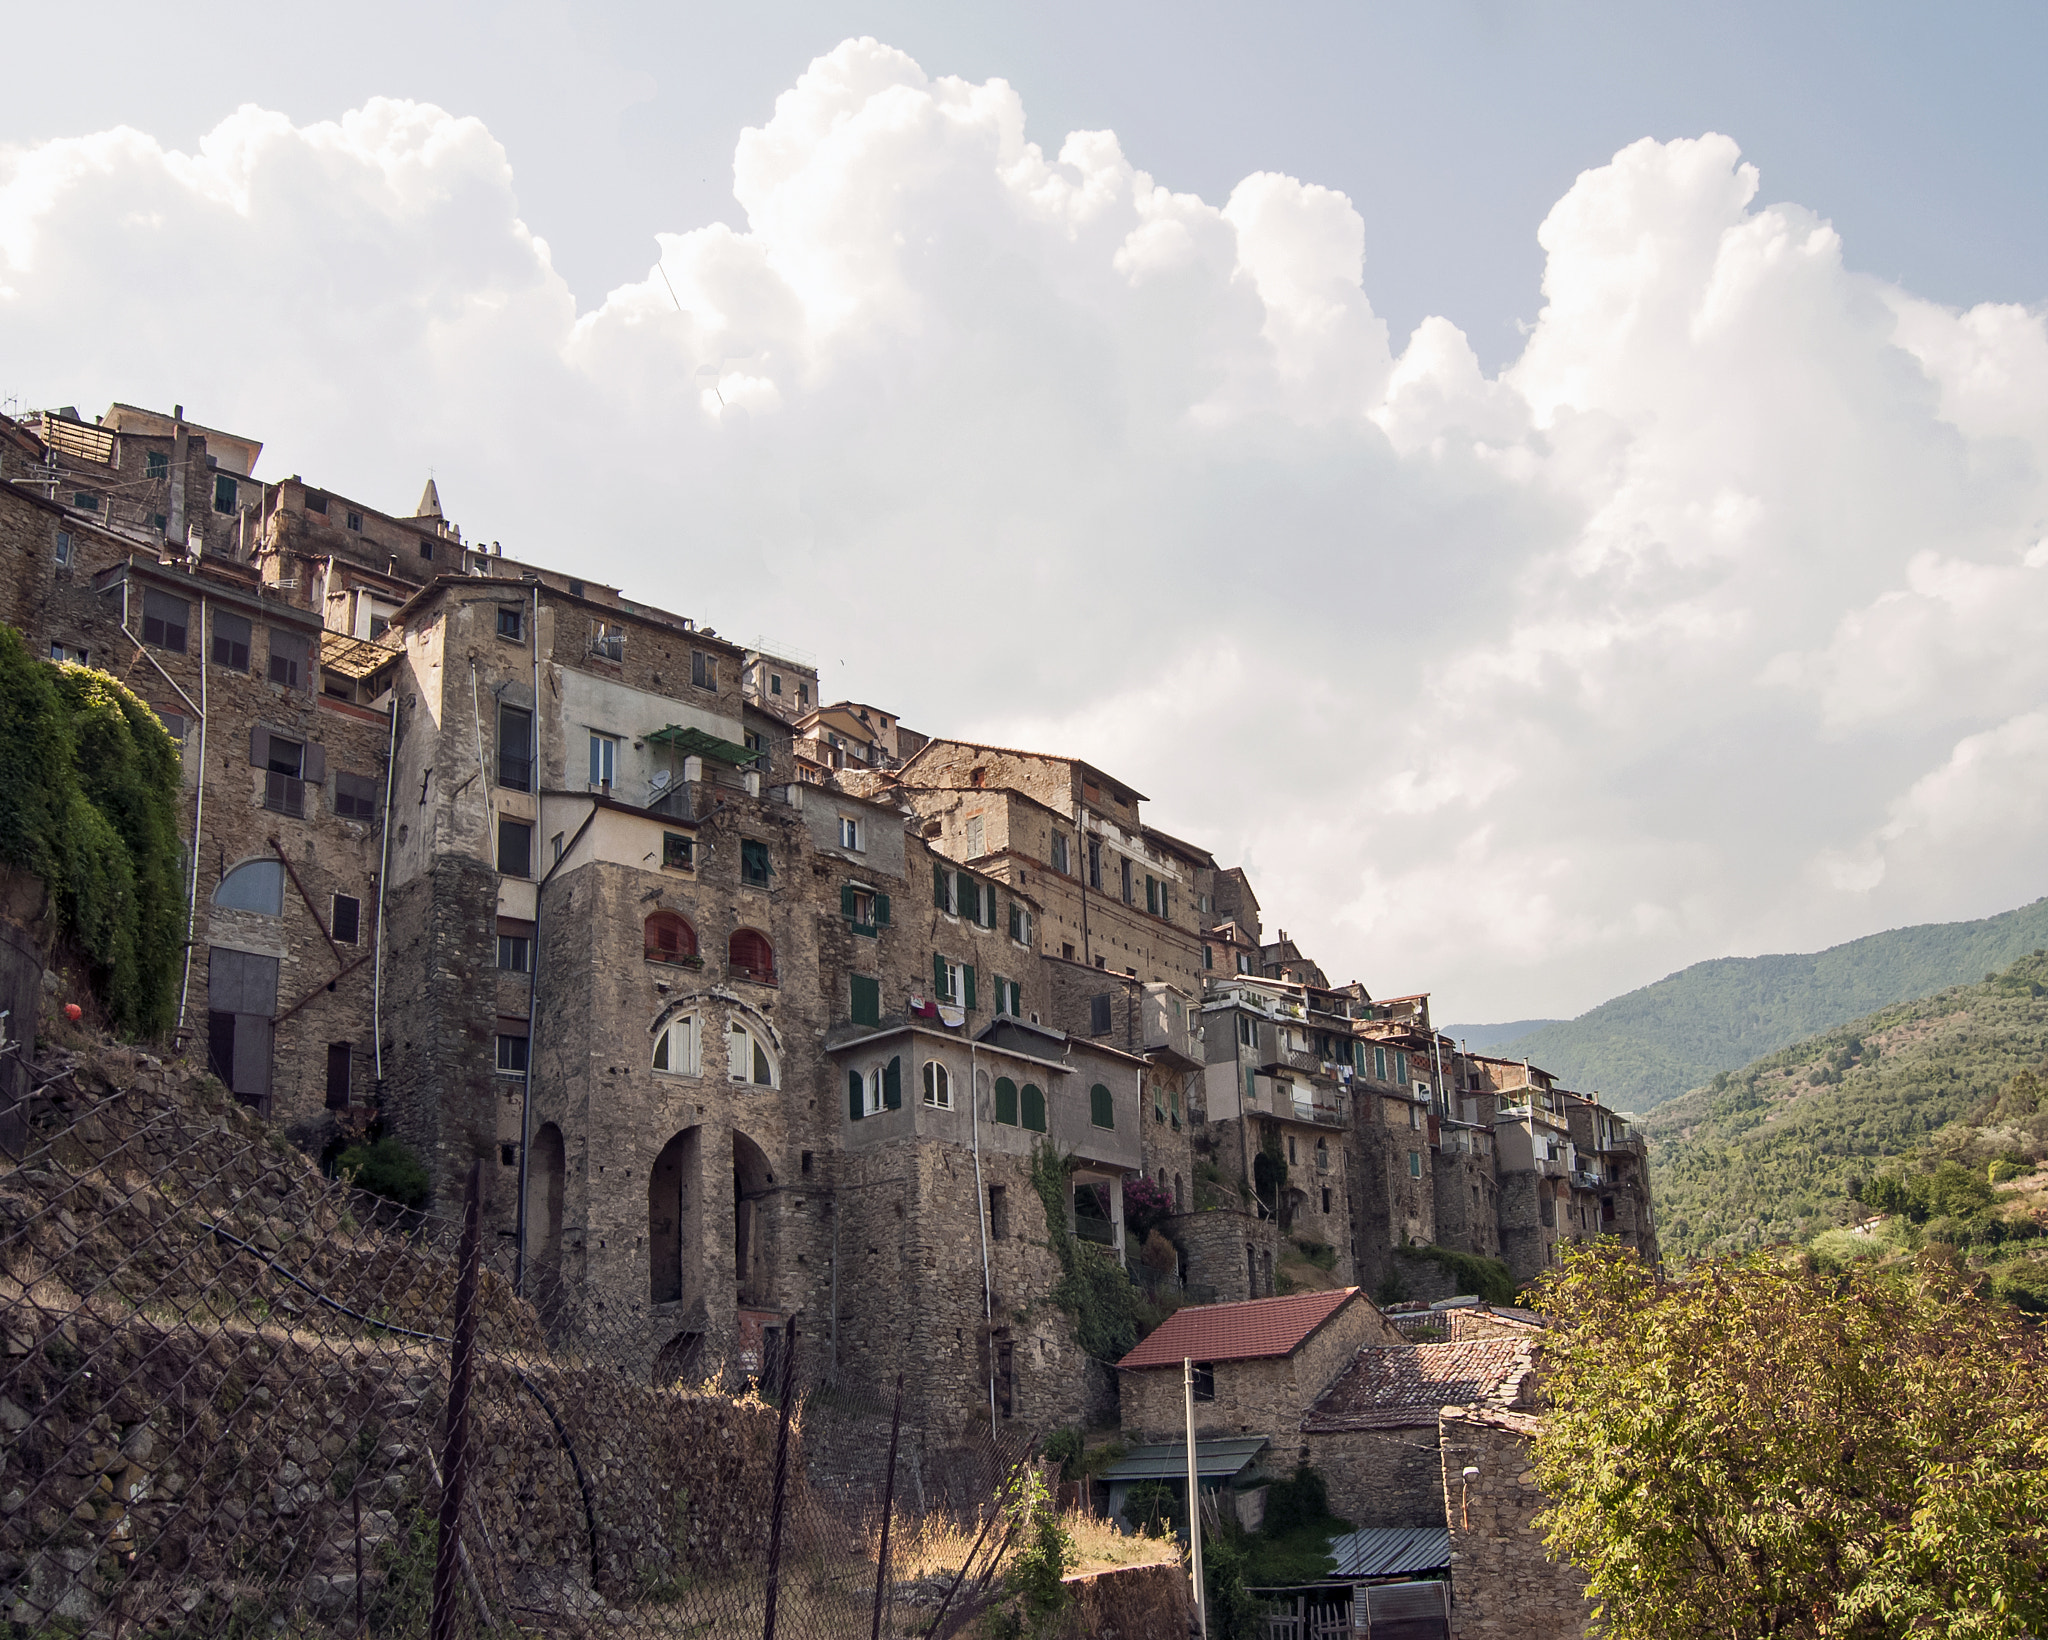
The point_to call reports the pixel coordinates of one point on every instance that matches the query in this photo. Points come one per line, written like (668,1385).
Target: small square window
(678,853)
(355,522)
(73,654)
(348,919)
(575,589)
(156,464)
(514,954)
(316,502)
(224,493)
(774,683)
(85,501)
(704,670)
(512,622)
(231,635)
(608,641)
(515,848)
(512,1055)
(849,832)
(1203,1376)
(427,550)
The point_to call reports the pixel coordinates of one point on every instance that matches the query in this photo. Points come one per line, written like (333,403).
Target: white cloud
(1701,627)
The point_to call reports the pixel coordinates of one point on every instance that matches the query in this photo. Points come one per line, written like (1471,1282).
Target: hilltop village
(752,1004)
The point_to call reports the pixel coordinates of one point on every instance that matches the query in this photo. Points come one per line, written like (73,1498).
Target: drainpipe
(198,819)
(988,1313)
(532,978)
(383,877)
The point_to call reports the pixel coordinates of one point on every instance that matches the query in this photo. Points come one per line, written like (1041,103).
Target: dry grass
(1099,1545)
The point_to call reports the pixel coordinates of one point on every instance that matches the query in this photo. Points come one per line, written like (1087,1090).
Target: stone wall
(1503,1585)
(1380,1477)
(1132,1603)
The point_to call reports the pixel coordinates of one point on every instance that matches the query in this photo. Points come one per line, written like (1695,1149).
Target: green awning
(696,743)
(1168,1460)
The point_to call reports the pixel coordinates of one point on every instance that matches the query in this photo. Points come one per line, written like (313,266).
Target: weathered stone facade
(1503,1585)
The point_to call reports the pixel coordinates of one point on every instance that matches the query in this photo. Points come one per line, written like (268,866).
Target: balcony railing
(1089,1228)
(515,773)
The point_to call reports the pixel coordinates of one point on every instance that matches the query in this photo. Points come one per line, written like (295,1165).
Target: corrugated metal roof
(1214,1460)
(1237,1332)
(1392,1551)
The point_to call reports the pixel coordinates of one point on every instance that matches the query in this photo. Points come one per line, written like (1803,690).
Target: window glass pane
(257,886)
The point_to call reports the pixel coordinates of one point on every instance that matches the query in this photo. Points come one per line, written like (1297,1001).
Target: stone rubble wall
(1503,1585)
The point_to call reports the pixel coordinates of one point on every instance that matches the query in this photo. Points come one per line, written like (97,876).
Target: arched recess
(547,1173)
(675,1230)
(254,885)
(753,1224)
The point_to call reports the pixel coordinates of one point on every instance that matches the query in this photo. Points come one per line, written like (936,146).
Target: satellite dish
(661,779)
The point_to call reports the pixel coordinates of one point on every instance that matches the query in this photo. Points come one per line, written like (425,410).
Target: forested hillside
(1768,1153)
(1650,1045)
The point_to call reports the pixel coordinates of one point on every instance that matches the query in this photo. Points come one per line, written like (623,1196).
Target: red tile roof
(1238,1332)
(1390,1386)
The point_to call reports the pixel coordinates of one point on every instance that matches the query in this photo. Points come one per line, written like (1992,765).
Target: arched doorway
(675,1231)
(752,1224)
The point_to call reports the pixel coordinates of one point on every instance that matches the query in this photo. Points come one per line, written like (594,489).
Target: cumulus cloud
(1711,623)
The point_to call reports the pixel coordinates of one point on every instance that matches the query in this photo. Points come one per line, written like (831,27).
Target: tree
(1758,1450)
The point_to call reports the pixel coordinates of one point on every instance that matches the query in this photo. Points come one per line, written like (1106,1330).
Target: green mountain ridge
(1650,1045)
(1484,1038)
(1765,1154)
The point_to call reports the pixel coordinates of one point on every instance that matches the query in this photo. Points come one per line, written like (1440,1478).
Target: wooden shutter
(856,1104)
(867,1000)
(1034,1108)
(970,898)
(939,987)
(314,768)
(1101,1107)
(881,911)
(1152,894)
(1006,1101)
(846,906)
(967,982)
(1015,910)
(1002,992)
(892,1085)
(259,747)
(939,887)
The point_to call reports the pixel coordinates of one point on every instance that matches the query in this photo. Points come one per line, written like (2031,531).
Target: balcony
(1099,1231)
(515,771)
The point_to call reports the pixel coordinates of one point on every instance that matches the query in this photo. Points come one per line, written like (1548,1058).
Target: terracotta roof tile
(1391,1386)
(1238,1332)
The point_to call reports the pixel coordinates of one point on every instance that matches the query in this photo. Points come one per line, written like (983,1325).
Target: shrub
(387,1168)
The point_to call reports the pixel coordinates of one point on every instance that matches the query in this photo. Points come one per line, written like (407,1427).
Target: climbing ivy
(89,786)
(1094,1290)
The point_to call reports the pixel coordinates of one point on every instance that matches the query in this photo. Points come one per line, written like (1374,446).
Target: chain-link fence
(241,1399)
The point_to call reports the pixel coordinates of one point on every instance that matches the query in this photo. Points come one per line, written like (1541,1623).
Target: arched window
(869,1093)
(1034,1108)
(748,1056)
(1101,1107)
(750,956)
(675,1047)
(1006,1101)
(256,886)
(938,1085)
(668,938)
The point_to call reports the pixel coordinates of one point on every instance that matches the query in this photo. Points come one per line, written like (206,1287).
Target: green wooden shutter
(1152,894)
(1006,1101)
(856,1105)
(881,911)
(939,887)
(1101,1107)
(1001,992)
(939,976)
(1034,1108)
(967,983)
(1015,925)
(846,905)
(970,898)
(892,1086)
(867,1000)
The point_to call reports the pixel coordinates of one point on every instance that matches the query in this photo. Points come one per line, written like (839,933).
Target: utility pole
(1187,1390)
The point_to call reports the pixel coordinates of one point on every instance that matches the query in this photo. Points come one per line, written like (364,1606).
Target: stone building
(1504,1586)
(1258,1366)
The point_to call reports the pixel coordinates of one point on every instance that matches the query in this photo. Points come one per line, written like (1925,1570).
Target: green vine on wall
(89,789)
(1092,1289)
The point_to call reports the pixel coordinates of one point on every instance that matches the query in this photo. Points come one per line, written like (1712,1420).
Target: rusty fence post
(454,1464)
(781,1479)
(888,1509)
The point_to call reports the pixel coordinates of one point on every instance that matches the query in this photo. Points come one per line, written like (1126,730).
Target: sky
(1557,491)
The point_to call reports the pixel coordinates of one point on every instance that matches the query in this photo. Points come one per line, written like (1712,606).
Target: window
(1414,1164)
(974,837)
(754,867)
(1020,924)
(515,848)
(608,641)
(223,493)
(1006,1101)
(1094,863)
(256,886)
(1152,894)
(511,1054)
(953,981)
(938,1085)
(1326,1198)
(1322,1157)
(1291,1158)
(1101,1107)
(1031,1100)
(1379,1064)
(340,1067)
(1124,874)
(346,920)
(289,659)
(803,694)
(1247,1031)
(85,501)
(511,622)
(176,726)
(675,1046)
(747,1057)
(678,853)
(515,748)
(750,956)
(355,797)
(1009,997)
(666,937)
(426,547)
(866,999)
(164,620)
(758,746)
(515,954)
(875,1091)
(354,521)
(555,854)
(1099,1015)
(231,634)
(284,767)
(1061,861)
(849,832)
(63,546)
(157,464)
(1401,1068)
(704,670)
(866,910)
(604,760)
(1208,957)
(1203,1377)
(1244,962)
(999,1209)
(774,683)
